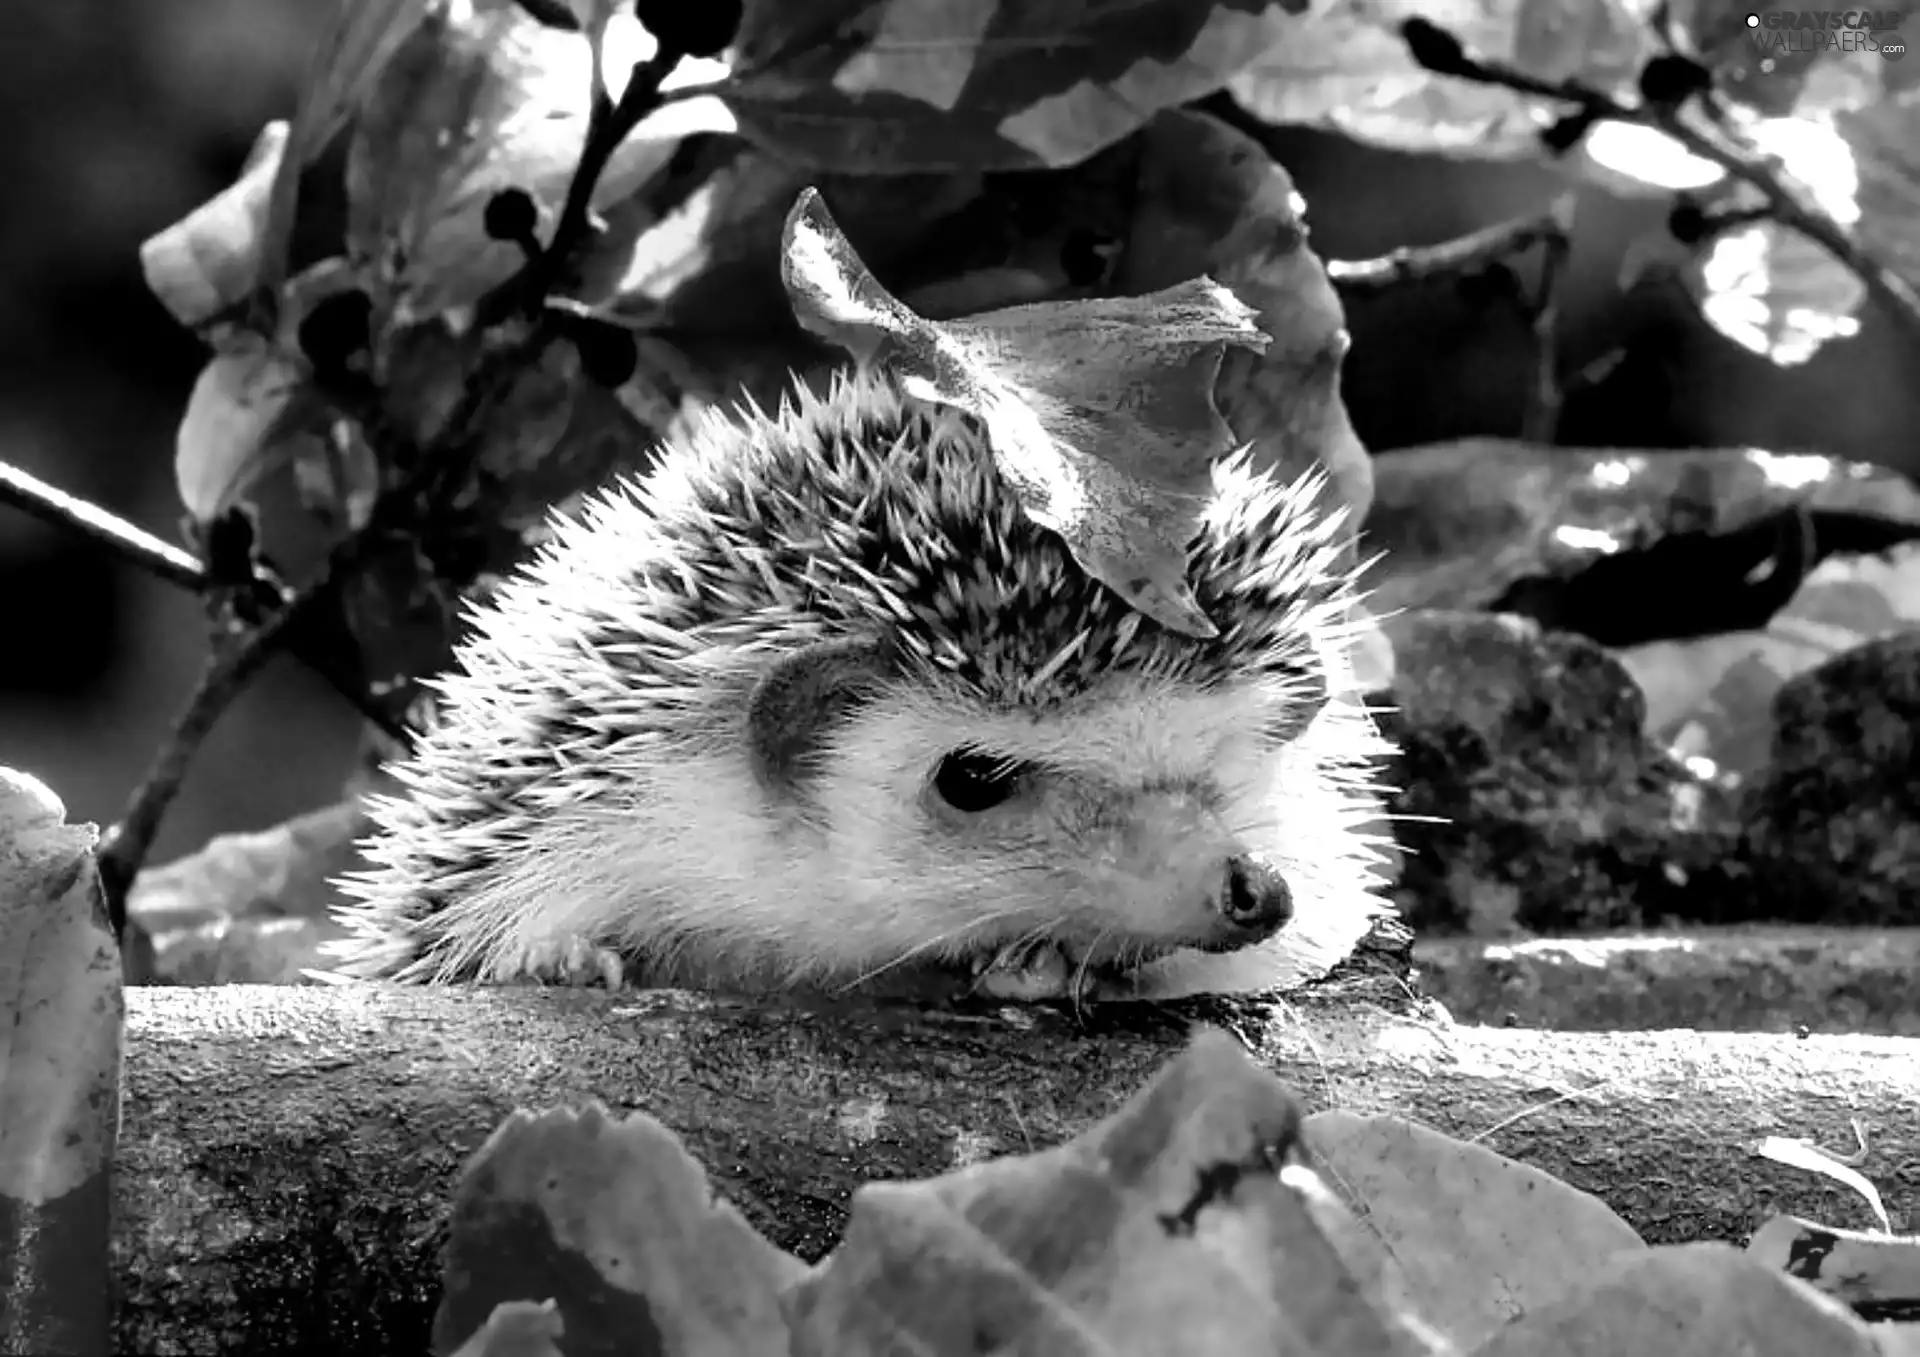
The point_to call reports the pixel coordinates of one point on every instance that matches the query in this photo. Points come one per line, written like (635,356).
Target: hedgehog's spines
(860,512)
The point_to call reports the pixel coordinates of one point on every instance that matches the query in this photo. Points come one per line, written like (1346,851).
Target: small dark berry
(1670,78)
(1087,256)
(608,355)
(228,543)
(511,217)
(1435,48)
(1688,223)
(1802,1031)
(1565,134)
(336,329)
(693,28)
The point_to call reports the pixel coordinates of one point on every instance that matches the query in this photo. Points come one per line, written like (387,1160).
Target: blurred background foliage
(127,117)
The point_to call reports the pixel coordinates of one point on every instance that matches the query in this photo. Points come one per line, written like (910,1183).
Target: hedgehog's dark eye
(971,781)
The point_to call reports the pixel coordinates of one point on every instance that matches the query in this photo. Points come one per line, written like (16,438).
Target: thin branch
(1442,53)
(164,561)
(608,125)
(229,669)
(1552,230)
(1541,420)
(1450,257)
(136,546)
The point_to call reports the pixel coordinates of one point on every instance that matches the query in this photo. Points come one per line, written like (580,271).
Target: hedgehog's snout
(1255,901)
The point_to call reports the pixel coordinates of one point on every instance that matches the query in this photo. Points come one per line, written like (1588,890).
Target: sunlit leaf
(1347,68)
(888,86)
(474,103)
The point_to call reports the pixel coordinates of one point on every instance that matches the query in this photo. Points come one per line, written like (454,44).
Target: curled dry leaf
(1183,1223)
(474,102)
(1479,1238)
(1799,1154)
(206,263)
(1100,412)
(617,1224)
(60,1054)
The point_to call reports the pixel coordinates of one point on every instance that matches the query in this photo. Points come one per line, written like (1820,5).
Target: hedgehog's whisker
(922,948)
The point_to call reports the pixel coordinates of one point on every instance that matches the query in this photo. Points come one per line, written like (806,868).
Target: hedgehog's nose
(1256,900)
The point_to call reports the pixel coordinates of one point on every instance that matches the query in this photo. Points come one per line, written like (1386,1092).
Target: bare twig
(1541,421)
(1552,230)
(228,670)
(136,546)
(1450,257)
(1442,53)
(164,561)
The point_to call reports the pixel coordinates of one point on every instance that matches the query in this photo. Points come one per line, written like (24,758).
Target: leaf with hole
(1100,413)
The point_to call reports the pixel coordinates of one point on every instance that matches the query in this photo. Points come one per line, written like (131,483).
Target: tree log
(287,1153)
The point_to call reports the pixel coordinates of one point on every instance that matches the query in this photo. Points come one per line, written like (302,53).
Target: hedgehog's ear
(799,701)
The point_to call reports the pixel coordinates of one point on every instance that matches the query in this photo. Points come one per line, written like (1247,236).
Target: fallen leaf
(618,1225)
(1100,413)
(1684,1300)
(60,1057)
(1184,1223)
(1479,1238)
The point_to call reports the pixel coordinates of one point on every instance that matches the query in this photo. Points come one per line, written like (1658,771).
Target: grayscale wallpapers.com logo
(1829,30)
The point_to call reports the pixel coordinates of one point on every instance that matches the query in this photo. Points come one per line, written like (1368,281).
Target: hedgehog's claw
(1027,972)
(577,963)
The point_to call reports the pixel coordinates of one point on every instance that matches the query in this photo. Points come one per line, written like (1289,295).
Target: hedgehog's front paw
(573,962)
(1027,972)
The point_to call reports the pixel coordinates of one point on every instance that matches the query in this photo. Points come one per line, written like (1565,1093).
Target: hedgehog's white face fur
(814,701)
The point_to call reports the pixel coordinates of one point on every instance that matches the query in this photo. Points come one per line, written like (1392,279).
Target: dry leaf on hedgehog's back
(1479,1238)
(1686,1300)
(616,1224)
(1100,412)
(1181,1224)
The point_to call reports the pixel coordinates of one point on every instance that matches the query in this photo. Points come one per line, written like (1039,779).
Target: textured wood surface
(287,1153)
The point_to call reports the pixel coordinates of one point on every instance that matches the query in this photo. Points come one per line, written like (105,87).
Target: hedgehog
(812,702)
